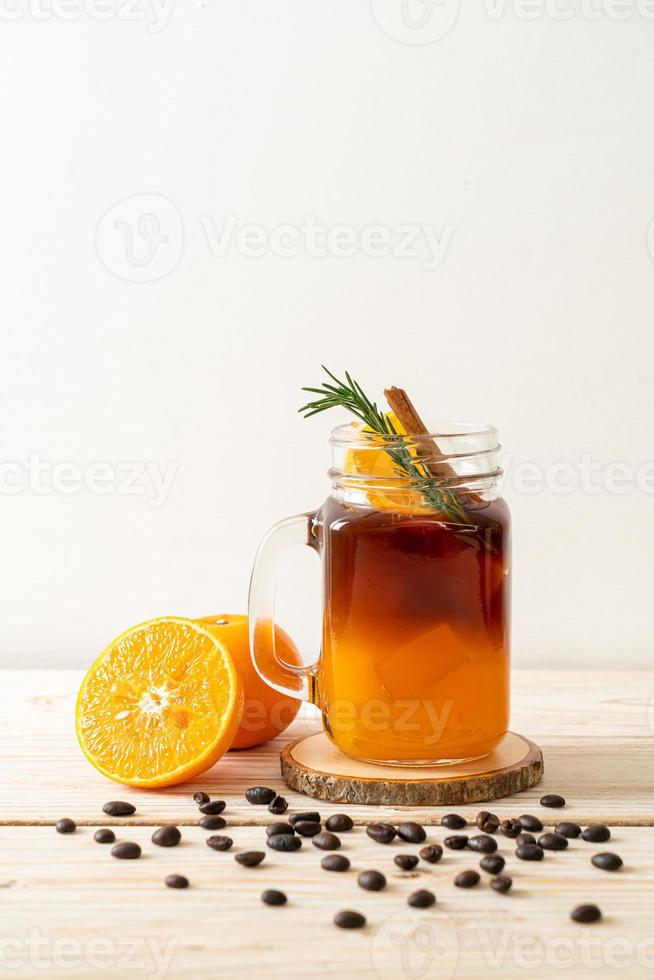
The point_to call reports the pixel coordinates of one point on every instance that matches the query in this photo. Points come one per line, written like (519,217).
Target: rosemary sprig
(349,394)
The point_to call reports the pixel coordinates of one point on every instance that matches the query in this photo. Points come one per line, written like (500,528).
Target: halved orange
(160,705)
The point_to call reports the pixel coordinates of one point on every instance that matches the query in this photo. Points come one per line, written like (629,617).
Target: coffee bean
(568,829)
(422,899)
(306,828)
(326,841)
(553,800)
(483,843)
(529,822)
(278,805)
(530,852)
(383,833)
(607,861)
(118,808)
(488,822)
(432,853)
(493,863)
(250,859)
(176,881)
(218,843)
(284,842)
(501,884)
(200,797)
(347,919)
(260,795)
(553,842)
(272,897)
(279,828)
(104,836)
(586,913)
(339,822)
(312,817)
(372,881)
(456,842)
(166,836)
(213,806)
(467,879)
(335,862)
(212,823)
(453,821)
(65,826)
(596,833)
(406,862)
(411,832)
(510,828)
(127,850)
(525,839)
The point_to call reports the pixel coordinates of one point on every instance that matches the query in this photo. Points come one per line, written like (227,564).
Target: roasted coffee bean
(553,800)
(104,836)
(335,862)
(372,881)
(250,859)
(530,852)
(166,836)
(568,829)
(406,862)
(467,879)
(525,839)
(127,850)
(200,797)
(347,919)
(510,828)
(586,913)
(279,828)
(218,843)
(339,823)
(453,821)
(213,806)
(488,822)
(422,899)
(212,823)
(607,861)
(483,843)
(411,832)
(278,805)
(307,828)
(272,897)
(284,842)
(312,817)
(383,833)
(493,863)
(501,884)
(260,795)
(553,842)
(65,826)
(596,833)
(176,881)
(529,822)
(326,841)
(457,842)
(118,808)
(432,853)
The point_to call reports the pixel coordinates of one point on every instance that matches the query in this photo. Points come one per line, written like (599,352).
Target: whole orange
(266,712)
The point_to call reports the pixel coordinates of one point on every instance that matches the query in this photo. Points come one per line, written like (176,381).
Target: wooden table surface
(67,908)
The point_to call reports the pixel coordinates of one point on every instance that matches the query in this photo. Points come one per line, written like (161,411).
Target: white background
(531,140)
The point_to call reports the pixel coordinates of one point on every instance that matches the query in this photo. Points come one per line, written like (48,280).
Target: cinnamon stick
(434,460)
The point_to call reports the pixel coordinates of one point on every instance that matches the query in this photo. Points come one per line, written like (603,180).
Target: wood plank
(120,920)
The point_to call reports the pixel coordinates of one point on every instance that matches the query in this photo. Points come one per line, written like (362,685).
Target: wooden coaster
(314,766)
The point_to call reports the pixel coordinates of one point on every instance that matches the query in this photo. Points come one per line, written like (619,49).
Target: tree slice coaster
(314,766)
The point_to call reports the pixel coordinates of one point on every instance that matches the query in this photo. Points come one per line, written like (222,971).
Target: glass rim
(351,435)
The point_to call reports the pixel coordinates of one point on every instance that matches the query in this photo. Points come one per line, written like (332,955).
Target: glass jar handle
(296,682)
